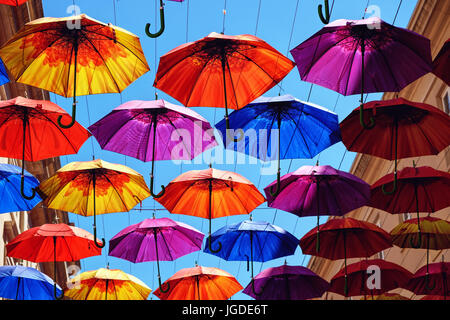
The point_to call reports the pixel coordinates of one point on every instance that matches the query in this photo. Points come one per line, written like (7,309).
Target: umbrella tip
(107,266)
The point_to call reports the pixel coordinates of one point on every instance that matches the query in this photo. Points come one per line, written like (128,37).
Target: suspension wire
(187,19)
(224,15)
(257,17)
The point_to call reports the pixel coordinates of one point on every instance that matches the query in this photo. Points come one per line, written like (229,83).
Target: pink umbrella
(155,240)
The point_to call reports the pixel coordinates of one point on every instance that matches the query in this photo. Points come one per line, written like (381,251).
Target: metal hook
(253,289)
(22,191)
(394,186)
(326,19)
(210,245)
(160,286)
(102,245)
(163,24)
(427,283)
(72,122)
(161,193)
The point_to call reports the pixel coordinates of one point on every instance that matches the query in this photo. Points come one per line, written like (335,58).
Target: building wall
(431,19)
(12,224)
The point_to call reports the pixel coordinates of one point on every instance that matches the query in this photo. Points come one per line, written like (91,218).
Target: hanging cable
(257,17)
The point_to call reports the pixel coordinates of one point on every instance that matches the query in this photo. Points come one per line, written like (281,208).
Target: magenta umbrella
(363,56)
(154,130)
(287,283)
(318,191)
(155,240)
(432,279)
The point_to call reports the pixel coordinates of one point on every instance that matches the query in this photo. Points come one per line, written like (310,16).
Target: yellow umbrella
(46,51)
(94,187)
(106,284)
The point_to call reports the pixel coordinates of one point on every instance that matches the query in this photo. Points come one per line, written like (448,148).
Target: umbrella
(346,238)
(28,131)
(211,193)
(438,273)
(407,129)
(419,190)
(287,283)
(392,276)
(304,129)
(155,239)
(3,74)
(363,56)
(200,283)
(106,58)
(15,3)
(253,241)
(441,63)
(12,200)
(433,297)
(154,130)
(387,296)
(106,284)
(319,190)
(163,24)
(94,187)
(436,232)
(53,242)
(24,283)
(210,72)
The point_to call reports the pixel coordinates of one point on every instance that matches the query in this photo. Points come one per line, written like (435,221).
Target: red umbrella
(346,238)
(15,3)
(392,276)
(418,190)
(441,64)
(53,242)
(438,273)
(29,131)
(406,129)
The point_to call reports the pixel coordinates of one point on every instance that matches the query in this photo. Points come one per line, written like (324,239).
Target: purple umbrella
(287,283)
(154,130)
(363,56)
(319,190)
(155,240)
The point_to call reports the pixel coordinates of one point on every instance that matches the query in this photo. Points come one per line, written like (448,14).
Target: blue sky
(274,26)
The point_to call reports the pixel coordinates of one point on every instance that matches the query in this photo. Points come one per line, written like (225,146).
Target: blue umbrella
(253,241)
(23,283)
(10,195)
(3,74)
(305,129)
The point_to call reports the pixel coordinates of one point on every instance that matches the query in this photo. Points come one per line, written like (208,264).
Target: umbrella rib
(66,91)
(114,188)
(268,139)
(232,83)
(301,133)
(181,195)
(256,64)
(167,245)
(198,77)
(176,129)
(428,198)
(420,128)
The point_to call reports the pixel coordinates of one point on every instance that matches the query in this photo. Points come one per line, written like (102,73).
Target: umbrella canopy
(15,3)
(12,200)
(406,129)
(211,193)
(53,242)
(392,276)
(210,72)
(4,78)
(105,58)
(24,283)
(29,132)
(155,239)
(287,283)
(200,283)
(431,279)
(333,57)
(154,130)
(441,63)
(106,284)
(94,187)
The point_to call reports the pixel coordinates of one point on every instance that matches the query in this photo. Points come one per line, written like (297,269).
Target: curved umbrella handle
(22,191)
(361,119)
(72,122)
(394,187)
(254,290)
(427,283)
(419,243)
(227,130)
(326,19)
(278,186)
(210,246)
(161,193)
(55,293)
(163,24)
(161,288)
(102,245)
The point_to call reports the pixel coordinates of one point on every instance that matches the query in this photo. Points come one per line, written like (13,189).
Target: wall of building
(431,19)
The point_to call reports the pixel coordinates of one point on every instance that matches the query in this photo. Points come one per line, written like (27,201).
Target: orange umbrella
(221,71)
(200,283)
(209,194)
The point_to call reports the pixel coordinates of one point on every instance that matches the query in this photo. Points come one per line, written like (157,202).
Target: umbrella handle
(361,119)
(254,290)
(227,130)
(210,245)
(326,19)
(72,122)
(427,283)
(55,293)
(419,243)
(22,191)
(163,24)
(278,187)
(394,186)
(161,288)
(161,193)
(102,245)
